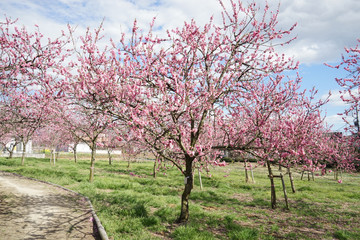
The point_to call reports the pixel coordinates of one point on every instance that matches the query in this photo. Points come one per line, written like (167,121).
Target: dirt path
(34,210)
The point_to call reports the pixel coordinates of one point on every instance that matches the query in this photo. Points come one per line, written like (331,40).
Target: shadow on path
(34,210)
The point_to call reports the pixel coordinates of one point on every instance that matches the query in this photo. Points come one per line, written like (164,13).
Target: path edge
(96,221)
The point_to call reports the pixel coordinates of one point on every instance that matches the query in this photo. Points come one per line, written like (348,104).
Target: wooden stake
(285,195)
(252,175)
(291,180)
(246,172)
(201,186)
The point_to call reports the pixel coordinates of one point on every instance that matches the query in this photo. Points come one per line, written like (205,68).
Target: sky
(324,28)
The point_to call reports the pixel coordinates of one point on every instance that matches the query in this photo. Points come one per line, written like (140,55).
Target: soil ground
(34,210)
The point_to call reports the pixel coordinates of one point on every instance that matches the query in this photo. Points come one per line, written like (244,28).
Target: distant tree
(341,153)
(110,141)
(9,142)
(276,124)
(52,136)
(28,85)
(81,108)
(25,115)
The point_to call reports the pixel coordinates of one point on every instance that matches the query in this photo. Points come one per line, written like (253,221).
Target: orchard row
(188,97)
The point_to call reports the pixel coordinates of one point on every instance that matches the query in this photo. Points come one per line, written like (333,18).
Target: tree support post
(291,180)
(252,174)
(246,172)
(201,186)
(284,189)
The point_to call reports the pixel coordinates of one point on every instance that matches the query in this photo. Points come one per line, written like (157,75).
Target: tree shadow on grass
(215,198)
(306,209)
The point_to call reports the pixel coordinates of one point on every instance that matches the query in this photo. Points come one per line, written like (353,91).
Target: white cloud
(324,28)
(334,107)
(335,98)
(337,122)
(335,119)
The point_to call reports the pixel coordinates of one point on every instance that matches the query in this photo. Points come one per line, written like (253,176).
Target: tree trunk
(184,214)
(23,153)
(291,181)
(109,155)
(154,170)
(11,150)
(273,192)
(75,155)
(128,158)
(92,166)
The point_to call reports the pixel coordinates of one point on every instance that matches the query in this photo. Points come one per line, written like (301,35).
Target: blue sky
(324,28)
(323,79)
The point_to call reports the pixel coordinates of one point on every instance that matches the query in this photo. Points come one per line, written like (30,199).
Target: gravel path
(33,210)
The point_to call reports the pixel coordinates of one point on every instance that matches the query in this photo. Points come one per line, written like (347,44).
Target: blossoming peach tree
(27,77)
(178,89)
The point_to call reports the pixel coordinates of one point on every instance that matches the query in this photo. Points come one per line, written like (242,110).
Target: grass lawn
(131,204)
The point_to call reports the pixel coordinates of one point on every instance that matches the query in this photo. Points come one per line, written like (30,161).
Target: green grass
(131,204)
(345,235)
